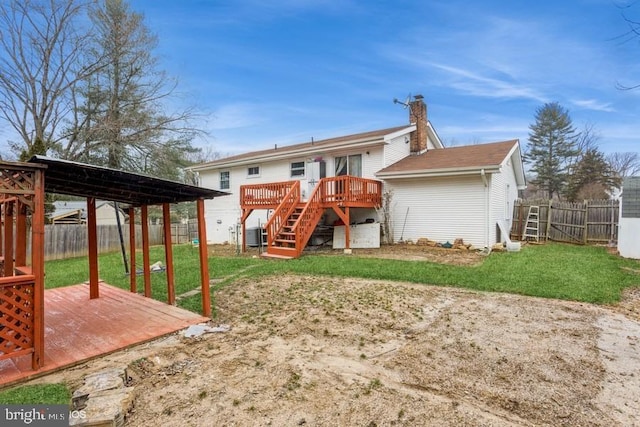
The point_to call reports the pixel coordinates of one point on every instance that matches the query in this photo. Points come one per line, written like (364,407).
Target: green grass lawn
(580,273)
(43,394)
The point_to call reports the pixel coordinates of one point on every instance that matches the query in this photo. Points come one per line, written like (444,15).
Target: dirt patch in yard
(404,251)
(318,351)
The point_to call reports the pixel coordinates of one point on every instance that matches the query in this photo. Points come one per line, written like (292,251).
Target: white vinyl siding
(396,150)
(504,191)
(440,209)
(372,163)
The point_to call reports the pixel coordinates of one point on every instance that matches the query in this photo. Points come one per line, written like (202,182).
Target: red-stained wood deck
(78,328)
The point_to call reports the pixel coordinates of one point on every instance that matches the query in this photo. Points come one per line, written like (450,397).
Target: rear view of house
(432,191)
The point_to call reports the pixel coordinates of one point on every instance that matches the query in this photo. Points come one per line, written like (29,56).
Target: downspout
(485,181)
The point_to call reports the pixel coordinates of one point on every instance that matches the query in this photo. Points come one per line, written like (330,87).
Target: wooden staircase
(284,243)
(293,221)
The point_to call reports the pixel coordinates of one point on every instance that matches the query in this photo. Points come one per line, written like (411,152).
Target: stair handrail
(311,213)
(282,212)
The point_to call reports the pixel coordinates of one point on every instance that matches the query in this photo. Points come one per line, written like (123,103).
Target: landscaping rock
(104,398)
(498,247)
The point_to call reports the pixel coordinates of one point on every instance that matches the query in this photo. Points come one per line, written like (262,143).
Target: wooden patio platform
(78,328)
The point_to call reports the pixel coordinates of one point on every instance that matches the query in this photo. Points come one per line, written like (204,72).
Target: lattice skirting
(16,319)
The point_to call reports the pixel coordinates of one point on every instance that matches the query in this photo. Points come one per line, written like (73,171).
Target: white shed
(629,225)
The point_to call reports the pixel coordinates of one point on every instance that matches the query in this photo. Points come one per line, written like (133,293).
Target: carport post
(168,253)
(37,265)
(146,268)
(92,235)
(204,263)
(133,287)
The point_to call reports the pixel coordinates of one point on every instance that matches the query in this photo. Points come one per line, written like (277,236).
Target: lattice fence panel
(19,183)
(16,319)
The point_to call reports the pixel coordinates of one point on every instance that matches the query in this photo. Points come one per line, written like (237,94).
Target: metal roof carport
(22,188)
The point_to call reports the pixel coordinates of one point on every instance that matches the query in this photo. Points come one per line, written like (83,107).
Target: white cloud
(592,104)
(237,115)
(478,85)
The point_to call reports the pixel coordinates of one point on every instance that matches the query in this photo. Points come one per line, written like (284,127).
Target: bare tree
(119,117)
(586,141)
(42,58)
(632,33)
(625,164)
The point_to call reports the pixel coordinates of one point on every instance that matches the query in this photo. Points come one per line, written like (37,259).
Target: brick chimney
(418,116)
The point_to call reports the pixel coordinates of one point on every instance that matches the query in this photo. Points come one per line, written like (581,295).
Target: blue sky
(284,71)
(270,72)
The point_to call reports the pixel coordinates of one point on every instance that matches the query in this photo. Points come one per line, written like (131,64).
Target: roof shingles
(465,157)
(324,143)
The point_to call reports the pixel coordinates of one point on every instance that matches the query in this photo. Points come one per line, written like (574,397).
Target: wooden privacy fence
(592,221)
(70,240)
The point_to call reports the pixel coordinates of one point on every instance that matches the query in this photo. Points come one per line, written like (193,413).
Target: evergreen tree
(592,177)
(552,145)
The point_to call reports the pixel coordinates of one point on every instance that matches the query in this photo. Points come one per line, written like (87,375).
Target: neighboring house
(75,212)
(436,192)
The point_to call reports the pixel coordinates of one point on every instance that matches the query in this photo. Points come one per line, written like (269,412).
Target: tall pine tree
(552,144)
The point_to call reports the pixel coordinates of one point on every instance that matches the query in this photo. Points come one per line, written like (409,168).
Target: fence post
(612,229)
(586,221)
(546,234)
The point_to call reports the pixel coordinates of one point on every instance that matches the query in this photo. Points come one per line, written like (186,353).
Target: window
(253,171)
(297,169)
(224,180)
(349,165)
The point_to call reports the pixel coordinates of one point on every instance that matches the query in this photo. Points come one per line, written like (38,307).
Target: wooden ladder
(532,226)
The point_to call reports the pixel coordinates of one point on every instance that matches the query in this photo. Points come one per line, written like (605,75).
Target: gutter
(487,211)
(474,170)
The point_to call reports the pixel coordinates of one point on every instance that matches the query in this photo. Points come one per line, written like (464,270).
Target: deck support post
(244,234)
(347,231)
(92,234)
(8,238)
(21,234)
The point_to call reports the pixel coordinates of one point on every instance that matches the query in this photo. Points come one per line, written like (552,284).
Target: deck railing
(270,194)
(351,190)
(340,189)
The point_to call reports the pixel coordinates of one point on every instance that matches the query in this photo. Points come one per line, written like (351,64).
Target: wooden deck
(78,328)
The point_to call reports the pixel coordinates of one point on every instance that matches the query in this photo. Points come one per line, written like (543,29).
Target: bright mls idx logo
(35,415)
